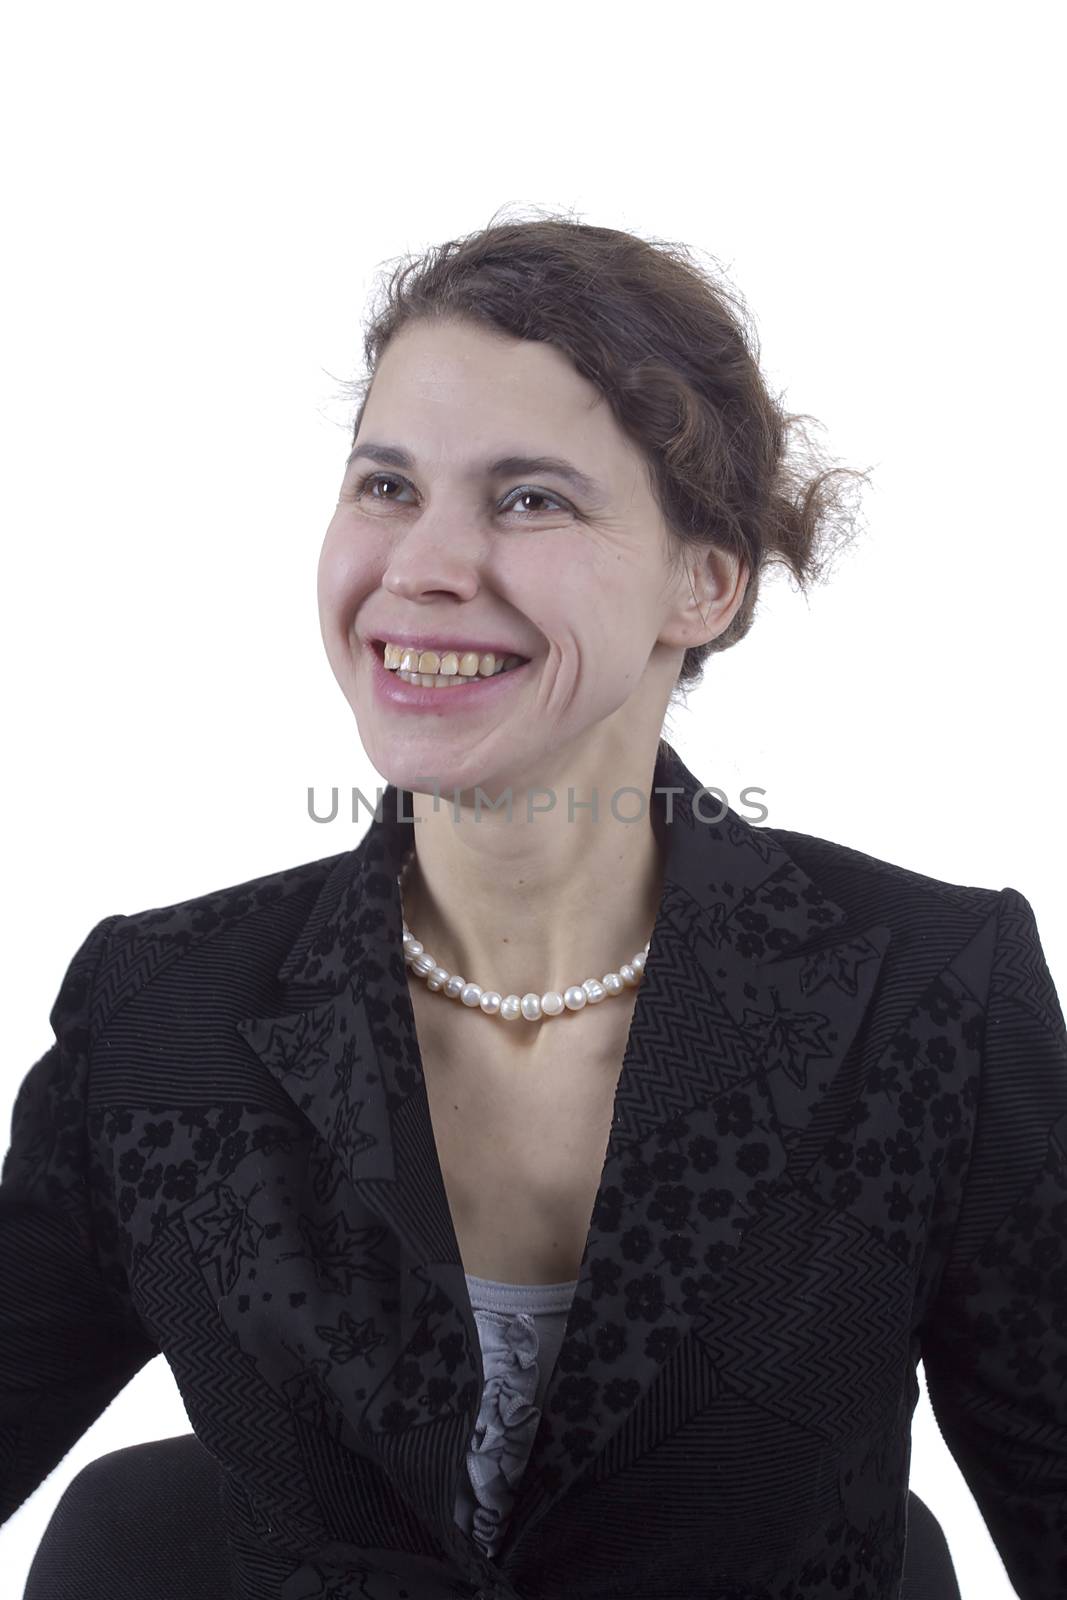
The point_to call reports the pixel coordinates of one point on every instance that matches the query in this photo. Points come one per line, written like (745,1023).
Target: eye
(376,478)
(538,494)
(372,480)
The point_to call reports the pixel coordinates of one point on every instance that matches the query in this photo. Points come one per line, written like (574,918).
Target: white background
(196,201)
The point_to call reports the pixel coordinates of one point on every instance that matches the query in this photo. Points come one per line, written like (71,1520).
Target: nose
(427,562)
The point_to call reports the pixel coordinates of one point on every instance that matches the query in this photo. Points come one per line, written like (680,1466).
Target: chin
(424,765)
(418,763)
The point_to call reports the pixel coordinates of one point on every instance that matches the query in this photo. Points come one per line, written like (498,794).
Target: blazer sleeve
(994,1343)
(69,1340)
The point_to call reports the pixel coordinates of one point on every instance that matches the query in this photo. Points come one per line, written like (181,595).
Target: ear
(710,586)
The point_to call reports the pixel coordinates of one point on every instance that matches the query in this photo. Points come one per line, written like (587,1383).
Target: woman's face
(438,546)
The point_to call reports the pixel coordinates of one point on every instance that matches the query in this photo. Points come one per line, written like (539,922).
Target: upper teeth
(452,664)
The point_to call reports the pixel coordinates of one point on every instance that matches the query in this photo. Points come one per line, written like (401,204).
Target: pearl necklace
(531,1006)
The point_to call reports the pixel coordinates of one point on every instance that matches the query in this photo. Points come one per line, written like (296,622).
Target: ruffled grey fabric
(507,1419)
(519,1326)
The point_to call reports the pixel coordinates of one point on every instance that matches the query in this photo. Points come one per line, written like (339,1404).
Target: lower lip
(411,696)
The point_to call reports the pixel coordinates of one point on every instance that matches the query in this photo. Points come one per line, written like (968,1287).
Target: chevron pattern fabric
(839,1148)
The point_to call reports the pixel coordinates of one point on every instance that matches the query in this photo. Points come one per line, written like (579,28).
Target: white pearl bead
(510,1007)
(612,982)
(438,978)
(574,998)
(490,1002)
(424,964)
(552,1003)
(594,990)
(412,947)
(531,1007)
(455,986)
(629,977)
(638,962)
(471,994)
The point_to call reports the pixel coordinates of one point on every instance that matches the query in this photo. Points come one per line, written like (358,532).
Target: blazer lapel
(343,1046)
(754,991)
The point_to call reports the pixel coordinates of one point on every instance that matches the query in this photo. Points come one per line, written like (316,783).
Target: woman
(555,1196)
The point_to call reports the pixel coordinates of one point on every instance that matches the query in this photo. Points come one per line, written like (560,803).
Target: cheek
(345,575)
(327,583)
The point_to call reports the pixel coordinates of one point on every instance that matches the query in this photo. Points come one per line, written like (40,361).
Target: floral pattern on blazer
(839,1146)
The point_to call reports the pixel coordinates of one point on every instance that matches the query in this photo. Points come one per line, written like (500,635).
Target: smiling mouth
(430,669)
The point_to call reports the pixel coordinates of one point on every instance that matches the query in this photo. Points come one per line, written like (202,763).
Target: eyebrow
(392,456)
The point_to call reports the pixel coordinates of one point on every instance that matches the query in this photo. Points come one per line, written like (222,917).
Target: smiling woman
(474,1283)
(664,490)
(669,359)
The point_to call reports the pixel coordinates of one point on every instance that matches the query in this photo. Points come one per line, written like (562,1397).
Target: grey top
(520,1328)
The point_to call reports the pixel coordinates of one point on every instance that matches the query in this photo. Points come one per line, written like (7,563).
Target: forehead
(440,365)
(458,391)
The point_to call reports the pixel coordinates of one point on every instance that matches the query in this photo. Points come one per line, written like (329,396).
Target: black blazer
(839,1145)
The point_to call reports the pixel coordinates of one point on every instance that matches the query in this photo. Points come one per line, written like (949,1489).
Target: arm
(68,1339)
(995,1339)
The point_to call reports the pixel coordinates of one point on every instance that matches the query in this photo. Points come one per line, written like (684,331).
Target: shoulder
(241,930)
(852,876)
(932,921)
(186,921)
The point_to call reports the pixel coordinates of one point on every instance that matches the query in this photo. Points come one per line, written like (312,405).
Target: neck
(541,901)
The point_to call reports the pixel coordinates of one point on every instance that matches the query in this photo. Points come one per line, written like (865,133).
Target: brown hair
(674,353)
